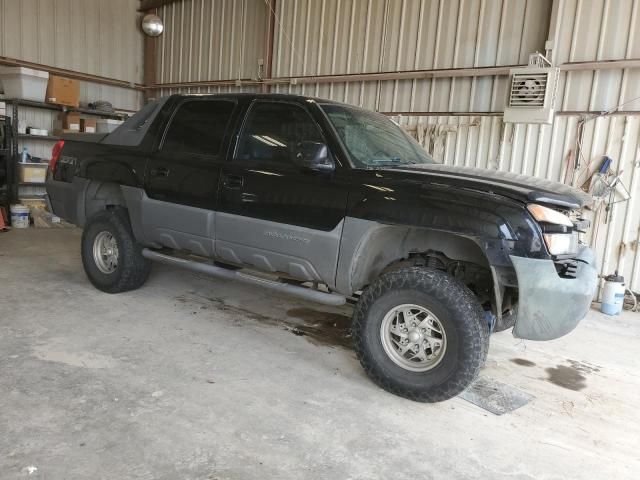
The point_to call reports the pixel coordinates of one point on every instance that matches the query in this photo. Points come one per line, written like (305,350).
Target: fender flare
(368,247)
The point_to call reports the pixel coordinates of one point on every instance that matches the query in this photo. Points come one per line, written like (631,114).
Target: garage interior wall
(463,50)
(87,36)
(93,37)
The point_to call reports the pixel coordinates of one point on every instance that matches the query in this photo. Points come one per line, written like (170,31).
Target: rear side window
(273,132)
(198,127)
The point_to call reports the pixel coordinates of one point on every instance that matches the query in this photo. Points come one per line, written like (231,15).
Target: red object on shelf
(55,155)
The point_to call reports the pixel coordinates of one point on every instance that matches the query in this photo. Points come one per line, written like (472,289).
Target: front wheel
(111,257)
(420,334)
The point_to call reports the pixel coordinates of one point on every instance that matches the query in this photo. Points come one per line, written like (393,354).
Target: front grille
(567,268)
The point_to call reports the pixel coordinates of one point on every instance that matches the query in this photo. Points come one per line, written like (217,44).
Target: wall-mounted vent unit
(532,94)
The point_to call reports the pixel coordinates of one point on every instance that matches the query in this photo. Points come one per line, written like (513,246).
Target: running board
(208,269)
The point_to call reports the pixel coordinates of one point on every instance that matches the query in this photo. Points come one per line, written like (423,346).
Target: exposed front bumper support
(550,306)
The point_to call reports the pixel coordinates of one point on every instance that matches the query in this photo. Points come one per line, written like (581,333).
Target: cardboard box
(34,203)
(88,125)
(33,172)
(63,91)
(69,121)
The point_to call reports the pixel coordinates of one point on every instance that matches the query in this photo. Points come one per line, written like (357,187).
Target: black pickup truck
(337,204)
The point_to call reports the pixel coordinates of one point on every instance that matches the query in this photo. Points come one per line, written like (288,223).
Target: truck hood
(522,187)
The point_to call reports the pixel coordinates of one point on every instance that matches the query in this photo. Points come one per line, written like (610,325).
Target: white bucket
(613,294)
(19,216)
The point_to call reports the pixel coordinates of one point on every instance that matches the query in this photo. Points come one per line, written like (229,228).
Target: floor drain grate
(495,397)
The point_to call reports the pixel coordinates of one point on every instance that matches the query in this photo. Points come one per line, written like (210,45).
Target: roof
(267,96)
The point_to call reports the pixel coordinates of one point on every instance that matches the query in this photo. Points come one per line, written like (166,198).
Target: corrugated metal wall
(90,36)
(321,37)
(605,30)
(211,40)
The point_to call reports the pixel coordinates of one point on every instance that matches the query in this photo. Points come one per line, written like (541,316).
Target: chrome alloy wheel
(413,337)
(105,252)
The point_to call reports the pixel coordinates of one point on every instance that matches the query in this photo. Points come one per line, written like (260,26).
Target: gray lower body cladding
(301,253)
(550,306)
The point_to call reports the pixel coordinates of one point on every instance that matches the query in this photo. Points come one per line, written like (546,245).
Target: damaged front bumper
(550,306)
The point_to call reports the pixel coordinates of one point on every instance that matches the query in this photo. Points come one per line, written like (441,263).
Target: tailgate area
(64,198)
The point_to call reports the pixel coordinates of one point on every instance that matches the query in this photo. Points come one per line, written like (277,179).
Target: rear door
(273,213)
(182,175)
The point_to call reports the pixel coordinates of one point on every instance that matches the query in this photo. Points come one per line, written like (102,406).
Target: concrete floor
(191,377)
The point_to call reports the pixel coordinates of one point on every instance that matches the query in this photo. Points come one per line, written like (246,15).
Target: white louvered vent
(532,94)
(528,90)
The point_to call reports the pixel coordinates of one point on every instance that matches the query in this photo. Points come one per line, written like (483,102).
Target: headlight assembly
(549,215)
(561,243)
(557,230)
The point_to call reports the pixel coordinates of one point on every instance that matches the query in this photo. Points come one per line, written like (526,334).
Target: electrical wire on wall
(284,32)
(630,301)
(603,183)
(579,170)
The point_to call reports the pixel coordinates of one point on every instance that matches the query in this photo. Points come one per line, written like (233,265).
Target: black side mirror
(315,156)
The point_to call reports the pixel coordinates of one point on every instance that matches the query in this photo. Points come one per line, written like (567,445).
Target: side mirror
(315,156)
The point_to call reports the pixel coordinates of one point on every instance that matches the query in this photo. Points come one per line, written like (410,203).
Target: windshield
(373,140)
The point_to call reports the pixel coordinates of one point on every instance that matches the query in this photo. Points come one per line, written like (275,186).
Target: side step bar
(303,292)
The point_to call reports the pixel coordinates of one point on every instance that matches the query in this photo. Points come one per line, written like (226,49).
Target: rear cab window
(134,130)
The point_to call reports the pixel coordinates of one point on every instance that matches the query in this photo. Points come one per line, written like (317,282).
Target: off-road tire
(132,269)
(460,315)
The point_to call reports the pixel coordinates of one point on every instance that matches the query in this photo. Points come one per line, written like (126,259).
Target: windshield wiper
(394,162)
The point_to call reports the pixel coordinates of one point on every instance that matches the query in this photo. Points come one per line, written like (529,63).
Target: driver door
(274,213)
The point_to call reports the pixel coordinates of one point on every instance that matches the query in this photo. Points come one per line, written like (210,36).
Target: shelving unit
(16,138)
(38,137)
(6,164)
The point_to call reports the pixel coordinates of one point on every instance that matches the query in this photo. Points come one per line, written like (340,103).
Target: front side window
(373,140)
(275,132)
(198,127)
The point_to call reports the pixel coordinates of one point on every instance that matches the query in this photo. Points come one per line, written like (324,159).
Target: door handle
(233,182)
(160,172)
(249,198)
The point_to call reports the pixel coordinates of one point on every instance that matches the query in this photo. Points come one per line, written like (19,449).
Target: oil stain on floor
(584,367)
(318,327)
(325,328)
(523,362)
(566,377)
(573,376)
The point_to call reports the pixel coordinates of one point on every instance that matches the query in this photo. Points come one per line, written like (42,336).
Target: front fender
(368,247)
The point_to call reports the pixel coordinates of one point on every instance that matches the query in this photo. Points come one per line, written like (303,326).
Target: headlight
(558,243)
(549,215)
(561,243)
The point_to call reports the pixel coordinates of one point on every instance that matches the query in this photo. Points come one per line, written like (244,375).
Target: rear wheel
(111,257)
(420,334)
